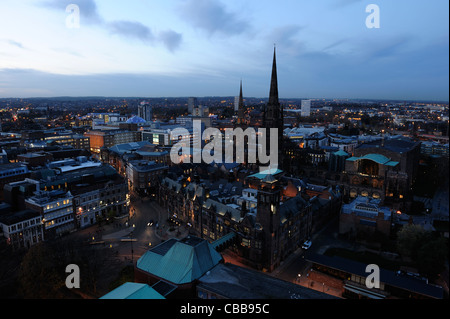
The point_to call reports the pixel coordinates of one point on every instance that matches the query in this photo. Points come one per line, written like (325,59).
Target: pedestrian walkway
(321,282)
(118,234)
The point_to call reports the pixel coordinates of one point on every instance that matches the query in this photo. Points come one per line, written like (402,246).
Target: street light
(131,237)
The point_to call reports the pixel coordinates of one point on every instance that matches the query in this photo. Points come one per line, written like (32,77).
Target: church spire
(273,113)
(241,98)
(241,107)
(273,96)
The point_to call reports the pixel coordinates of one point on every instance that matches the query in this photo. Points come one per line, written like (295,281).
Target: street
(130,237)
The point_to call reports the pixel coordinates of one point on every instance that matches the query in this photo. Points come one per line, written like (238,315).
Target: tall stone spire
(273,96)
(273,113)
(241,107)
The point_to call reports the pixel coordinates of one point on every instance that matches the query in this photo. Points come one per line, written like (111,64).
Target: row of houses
(63,197)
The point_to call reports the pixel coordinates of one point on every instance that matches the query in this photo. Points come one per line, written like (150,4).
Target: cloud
(123,28)
(287,39)
(131,29)
(136,30)
(16,44)
(345,3)
(88,9)
(212,17)
(171,39)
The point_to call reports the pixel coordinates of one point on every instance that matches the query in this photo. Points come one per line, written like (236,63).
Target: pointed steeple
(273,112)
(273,96)
(241,98)
(241,107)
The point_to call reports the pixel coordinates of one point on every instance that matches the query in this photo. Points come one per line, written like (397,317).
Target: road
(130,236)
(297,265)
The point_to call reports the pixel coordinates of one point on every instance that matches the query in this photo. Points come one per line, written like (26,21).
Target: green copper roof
(378,158)
(263,174)
(341,153)
(131,290)
(180,261)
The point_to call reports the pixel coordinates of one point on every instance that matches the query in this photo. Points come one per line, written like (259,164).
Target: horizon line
(223,96)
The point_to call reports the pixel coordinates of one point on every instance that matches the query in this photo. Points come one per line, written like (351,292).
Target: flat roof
(234,282)
(17,217)
(386,276)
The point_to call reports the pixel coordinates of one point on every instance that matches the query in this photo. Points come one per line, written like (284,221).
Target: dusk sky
(156,48)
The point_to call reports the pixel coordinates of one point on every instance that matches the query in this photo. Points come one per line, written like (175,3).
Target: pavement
(121,229)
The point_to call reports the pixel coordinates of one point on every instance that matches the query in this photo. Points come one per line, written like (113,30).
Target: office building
(306,108)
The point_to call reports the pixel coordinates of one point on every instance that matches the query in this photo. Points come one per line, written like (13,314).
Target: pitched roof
(180,261)
(131,290)
(263,174)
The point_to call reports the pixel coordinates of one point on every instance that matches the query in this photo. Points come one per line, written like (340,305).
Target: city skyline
(204,48)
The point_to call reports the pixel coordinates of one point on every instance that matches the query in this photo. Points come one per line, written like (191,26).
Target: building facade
(56,210)
(22,229)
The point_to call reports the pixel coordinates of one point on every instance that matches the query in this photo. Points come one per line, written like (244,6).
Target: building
(163,135)
(229,281)
(99,139)
(61,136)
(102,195)
(344,143)
(97,192)
(337,160)
(176,265)
(265,225)
(144,176)
(12,172)
(433,148)
(365,216)
(56,210)
(34,159)
(22,229)
(119,155)
(15,193)
(200,111)
(384,169)
(306,108)
(273,114)
(145,111)
(132,290)
(393,285)
(192,104)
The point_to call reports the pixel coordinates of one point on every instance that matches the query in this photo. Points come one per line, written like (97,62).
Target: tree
(42,273)
(39,276)
(427,250)
(431,257)
(408,239)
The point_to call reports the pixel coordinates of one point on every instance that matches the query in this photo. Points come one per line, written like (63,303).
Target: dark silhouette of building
(273,113)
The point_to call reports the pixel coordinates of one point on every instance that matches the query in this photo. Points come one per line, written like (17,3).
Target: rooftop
(236,282)
(17,217)
(179,261)
(378,158)
(131,290)
(397,144)
(390,278)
